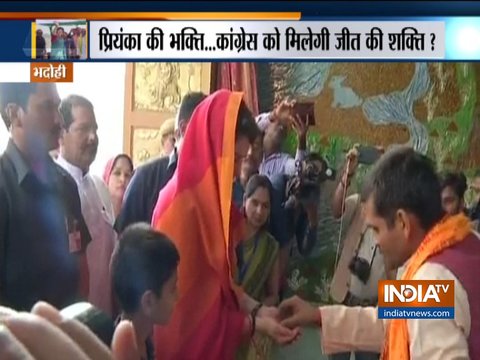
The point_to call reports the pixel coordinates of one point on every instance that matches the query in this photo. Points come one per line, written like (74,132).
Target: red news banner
(416,299)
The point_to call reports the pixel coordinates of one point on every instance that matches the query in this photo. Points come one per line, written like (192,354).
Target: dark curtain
(239,76)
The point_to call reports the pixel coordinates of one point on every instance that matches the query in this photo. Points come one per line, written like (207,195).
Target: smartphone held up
(306,112)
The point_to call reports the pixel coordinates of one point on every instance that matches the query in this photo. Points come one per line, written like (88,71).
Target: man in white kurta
(78,147)
(350,329)
(404,211)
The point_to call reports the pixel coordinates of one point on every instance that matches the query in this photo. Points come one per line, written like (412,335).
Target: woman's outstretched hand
(269,311)
(276,331)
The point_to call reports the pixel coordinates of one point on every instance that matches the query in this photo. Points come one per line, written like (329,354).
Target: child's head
(144,272)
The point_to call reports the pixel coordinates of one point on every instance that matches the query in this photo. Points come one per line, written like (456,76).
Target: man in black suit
(142,192)
(43,236)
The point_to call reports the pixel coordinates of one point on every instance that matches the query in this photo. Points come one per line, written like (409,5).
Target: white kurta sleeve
(358,328)
(350,329)
(439,339)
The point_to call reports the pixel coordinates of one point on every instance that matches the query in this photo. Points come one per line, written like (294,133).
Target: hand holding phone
(352,163)
(283,112)
(306,112)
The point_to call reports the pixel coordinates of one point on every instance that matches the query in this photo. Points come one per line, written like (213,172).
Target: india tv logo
(416,299)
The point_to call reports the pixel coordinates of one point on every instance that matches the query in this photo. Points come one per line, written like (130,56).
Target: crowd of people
(64,46)
(187,254)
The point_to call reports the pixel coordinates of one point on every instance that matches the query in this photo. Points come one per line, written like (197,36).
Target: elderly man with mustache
(78,148)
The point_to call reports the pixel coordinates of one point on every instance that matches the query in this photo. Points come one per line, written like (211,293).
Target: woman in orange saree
(195,210)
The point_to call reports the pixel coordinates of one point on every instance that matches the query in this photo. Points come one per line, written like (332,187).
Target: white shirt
(97,210)
(356,328)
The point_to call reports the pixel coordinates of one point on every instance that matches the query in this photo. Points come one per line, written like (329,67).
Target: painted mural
(430,106)
(427,105)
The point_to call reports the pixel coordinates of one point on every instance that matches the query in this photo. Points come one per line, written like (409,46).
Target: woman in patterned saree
(258,263)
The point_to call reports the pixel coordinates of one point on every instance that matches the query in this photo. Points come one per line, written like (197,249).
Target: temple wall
(431,106)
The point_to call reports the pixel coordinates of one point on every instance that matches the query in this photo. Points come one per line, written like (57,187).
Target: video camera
(304,186)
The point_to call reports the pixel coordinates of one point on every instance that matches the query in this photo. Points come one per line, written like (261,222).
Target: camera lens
(360,268)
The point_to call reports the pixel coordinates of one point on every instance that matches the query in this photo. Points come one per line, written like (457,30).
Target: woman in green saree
(258,264)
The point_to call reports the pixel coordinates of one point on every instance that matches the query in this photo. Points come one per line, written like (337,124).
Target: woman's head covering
(107,172)
(195,211)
